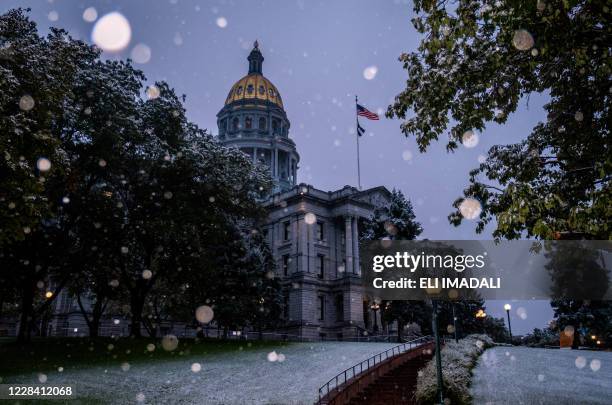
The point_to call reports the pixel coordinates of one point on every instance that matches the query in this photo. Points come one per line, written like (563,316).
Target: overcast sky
(316,53)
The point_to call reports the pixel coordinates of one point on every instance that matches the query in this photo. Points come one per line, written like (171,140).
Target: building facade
(313,234)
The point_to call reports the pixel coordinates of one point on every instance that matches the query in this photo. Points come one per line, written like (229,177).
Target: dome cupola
(253,119)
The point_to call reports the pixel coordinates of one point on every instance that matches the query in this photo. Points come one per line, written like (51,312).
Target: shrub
(458,359)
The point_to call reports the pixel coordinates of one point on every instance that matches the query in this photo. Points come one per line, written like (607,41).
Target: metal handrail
(336,381)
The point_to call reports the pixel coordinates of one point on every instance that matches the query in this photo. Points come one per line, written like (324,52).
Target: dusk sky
(319,54)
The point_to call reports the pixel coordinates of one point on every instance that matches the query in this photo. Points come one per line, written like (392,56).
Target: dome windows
(271,92)
(248,122)
(235,124)
(262,123)
(239,90)
(250,89)
(262,90)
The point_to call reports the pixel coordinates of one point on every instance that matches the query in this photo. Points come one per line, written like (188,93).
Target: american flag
(364,112)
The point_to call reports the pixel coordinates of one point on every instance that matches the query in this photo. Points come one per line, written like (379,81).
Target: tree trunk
(136,307)
(26,312)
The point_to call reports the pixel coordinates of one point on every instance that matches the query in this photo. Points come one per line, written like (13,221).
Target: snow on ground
(245,377)
(520,375)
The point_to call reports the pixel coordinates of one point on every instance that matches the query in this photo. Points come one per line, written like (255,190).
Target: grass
(48,354)
(232,372)
(523,375)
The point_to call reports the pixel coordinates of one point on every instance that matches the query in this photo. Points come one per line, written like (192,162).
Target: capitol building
(313,234)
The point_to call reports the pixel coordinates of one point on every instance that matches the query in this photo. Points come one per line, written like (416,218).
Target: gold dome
(254,86)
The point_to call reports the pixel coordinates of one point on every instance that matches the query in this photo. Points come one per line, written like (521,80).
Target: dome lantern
(255,59)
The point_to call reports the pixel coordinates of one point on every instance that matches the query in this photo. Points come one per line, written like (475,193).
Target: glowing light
(49,294)
(43,164)
(221,22)
(152,92)
(370,72)
(112,32)
(204,314)
(147,274)
(507,307)
(90,14)
(470,208)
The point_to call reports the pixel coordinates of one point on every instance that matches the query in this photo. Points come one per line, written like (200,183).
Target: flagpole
(357,133)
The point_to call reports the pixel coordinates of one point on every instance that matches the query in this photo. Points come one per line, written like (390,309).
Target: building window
(275,127)
(262,91)
(339,307)
(248,122)
(319,231)
(239,90)
(262,123)
(250,89)
(286,260)
(287,230)
(235,123)
(320,266)
(321,307)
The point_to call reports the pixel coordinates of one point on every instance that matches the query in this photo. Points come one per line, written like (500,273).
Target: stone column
(303,241)
(348,245)
(275,161)
(356,246)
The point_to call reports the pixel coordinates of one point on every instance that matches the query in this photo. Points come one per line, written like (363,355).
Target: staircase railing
(359,368)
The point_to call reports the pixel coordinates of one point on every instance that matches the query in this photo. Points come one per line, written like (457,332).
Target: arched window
(262,123)
(248,123)
(250,89)
(275,127)
(235,124)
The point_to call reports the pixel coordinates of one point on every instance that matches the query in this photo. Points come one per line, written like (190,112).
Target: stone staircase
(394,388)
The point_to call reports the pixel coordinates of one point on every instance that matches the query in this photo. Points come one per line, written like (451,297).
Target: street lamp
(375,306)
(508,307)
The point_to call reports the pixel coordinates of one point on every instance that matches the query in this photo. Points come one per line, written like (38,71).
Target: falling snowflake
(221,22)
(310,218)
(26,102)
(90,14)
(469,139)
(370,72)
(522,40)
(204,314)
(470,208)
(196,367)
(169,343)
(272,356)
(141,54)
(112,32)
(43,164)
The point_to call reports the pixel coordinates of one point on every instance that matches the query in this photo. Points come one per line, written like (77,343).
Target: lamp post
(455,323)
(508,307)
(375,306)
(434,322)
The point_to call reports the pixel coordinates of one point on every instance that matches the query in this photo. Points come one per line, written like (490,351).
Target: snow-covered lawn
(519,375)
(240,377)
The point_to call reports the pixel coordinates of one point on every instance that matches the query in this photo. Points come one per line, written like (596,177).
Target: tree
(474,65)
(122,196)
(396,221)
